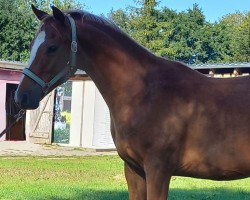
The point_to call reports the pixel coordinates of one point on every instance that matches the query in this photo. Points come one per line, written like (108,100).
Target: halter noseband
(67,71)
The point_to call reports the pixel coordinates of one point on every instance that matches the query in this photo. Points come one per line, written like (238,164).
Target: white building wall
(90,119)
(88,115)
(102,135)
(76,113)
(27,125)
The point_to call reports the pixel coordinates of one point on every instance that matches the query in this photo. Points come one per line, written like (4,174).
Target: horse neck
(117,72)
(120,67)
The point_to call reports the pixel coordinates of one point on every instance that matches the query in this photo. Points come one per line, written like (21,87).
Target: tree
(165,32)
(241,41)
(231,38)
(61,4)
(121,18)
(146,25)
(15,31)
(186,38)
(18,25)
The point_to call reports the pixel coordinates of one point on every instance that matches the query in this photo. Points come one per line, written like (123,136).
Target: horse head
(52,58)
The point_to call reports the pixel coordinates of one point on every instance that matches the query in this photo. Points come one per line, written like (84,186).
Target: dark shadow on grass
(208,194)
(175,194)
(96,195)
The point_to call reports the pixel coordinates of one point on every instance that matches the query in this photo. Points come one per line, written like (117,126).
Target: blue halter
(67,71)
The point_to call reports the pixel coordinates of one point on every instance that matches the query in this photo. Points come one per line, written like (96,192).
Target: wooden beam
(12,65)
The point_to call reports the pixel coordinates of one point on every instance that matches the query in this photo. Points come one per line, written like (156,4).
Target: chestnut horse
(166,119)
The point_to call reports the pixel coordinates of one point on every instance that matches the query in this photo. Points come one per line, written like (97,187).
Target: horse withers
(166,119)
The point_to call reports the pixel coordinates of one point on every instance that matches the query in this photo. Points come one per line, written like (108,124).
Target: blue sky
(213,9)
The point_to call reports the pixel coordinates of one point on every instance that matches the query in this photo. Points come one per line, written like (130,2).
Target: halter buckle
(74,46)
(46,88)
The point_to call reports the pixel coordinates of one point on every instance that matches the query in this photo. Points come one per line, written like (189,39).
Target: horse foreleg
(157,184)
(136,184)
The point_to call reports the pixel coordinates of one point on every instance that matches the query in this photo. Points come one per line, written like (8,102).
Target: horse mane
(89,17)
(100,20)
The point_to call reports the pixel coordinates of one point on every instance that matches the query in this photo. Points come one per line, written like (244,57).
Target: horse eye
(52,49)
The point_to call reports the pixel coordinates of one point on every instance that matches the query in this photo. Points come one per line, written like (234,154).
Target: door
(16,132)
(41,121)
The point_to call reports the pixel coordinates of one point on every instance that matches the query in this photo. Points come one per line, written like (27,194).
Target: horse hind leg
(136,184)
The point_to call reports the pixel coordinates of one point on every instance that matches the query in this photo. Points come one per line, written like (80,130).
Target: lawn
(95,178)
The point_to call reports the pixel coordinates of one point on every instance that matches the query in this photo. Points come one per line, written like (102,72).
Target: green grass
(96,178)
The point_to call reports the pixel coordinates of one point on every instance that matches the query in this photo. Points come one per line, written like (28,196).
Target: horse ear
(58,14)
(40,14)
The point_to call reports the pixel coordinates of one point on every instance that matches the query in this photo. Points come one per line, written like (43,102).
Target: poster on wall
(62,113)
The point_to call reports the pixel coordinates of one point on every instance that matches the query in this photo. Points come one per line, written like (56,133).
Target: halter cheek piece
(65,72)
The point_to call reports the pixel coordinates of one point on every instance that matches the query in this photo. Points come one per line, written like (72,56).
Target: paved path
(23,148)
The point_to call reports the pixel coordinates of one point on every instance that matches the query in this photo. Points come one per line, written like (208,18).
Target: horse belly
(217,162)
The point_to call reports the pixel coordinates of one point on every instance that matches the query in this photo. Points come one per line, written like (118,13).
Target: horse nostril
(28,99)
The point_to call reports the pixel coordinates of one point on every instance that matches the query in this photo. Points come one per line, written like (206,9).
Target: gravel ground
(23,148)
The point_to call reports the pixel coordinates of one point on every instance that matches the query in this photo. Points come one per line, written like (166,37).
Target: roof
(19,66)
(221,66)
(12,65)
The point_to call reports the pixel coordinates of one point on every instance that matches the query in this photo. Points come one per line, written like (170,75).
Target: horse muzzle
(28,100)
